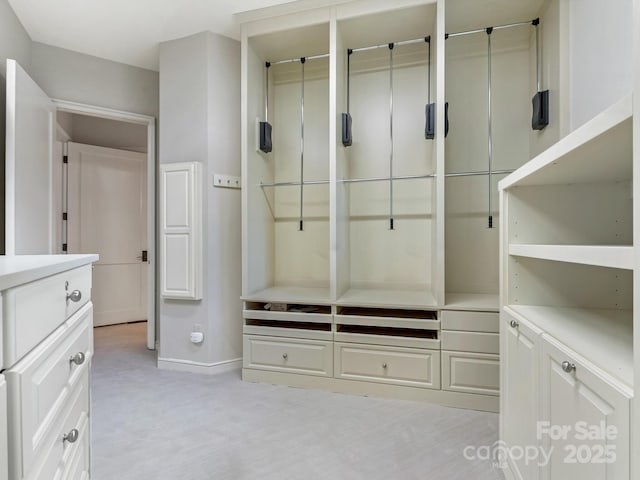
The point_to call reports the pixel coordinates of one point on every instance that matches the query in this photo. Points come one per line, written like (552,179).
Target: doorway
(107,206)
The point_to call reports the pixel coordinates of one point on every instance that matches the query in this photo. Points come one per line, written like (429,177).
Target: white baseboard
(198,367)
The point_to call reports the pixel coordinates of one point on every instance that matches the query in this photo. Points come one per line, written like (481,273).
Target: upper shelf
(599,151)
(381,298)
(611,256)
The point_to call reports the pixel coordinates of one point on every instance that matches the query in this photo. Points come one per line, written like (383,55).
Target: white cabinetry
(48,339)
(568,295)
(4,444)
(380,248)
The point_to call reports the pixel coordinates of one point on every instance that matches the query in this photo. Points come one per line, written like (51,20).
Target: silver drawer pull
(514,324)
(384,365)
(71,437)
(285,356)
(568,367)
(74,296)
(78,358)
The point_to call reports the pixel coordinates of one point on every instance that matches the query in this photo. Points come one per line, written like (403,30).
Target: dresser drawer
(470,321)
(40,384)
(479,342)
(34,310)
(310,357)
(55,457)
(396,365)
(471,373)
(76,458)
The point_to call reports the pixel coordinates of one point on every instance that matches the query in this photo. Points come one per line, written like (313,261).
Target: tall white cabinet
(370,268)
(568,259)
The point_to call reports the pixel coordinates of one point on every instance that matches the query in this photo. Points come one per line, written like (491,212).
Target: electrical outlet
(226,181)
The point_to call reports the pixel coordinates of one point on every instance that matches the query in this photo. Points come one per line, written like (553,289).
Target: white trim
(179,365)
(150,122)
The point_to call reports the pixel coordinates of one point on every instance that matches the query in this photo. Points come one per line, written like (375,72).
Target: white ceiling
(128,31)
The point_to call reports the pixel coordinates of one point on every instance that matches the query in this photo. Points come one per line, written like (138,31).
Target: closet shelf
(479,302)
(611,256)
(384,298)
(603,336)
(599,151)
(285,294)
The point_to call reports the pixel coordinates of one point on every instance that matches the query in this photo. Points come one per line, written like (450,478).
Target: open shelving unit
(569,254)
(569,261)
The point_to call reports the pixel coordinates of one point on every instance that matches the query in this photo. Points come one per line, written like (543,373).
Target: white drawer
(34,310)
(478,342)
(40,384)
(54,459)
(4,445)
(471,373)
(310,357)
(470,321)
(76,458)
(396,365)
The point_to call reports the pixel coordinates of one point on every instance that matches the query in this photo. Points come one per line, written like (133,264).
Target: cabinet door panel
(520,389)
(582,400)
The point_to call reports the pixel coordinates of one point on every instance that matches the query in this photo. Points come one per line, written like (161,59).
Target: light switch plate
(226,181)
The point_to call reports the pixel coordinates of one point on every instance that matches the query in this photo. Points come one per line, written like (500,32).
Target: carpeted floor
(150,424)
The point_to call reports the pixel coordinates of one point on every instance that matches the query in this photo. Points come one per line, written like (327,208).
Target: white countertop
(20,269)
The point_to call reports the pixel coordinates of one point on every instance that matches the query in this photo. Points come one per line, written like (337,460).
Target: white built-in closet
(371,268)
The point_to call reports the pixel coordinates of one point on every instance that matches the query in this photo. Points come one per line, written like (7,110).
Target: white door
(106,214)
(520,408)
(576,396)
(29,153)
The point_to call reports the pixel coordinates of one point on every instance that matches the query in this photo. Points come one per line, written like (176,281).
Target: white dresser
(45,355)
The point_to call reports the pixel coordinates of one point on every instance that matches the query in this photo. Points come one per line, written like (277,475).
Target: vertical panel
(29,152)
(180,231)
(4,461)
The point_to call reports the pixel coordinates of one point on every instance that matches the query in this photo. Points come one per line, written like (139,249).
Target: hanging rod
(474,174)
(385,179)
(386,45)
(294,183)
(484,30)
(292,60)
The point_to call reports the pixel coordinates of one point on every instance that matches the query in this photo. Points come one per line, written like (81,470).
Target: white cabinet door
(29,156)
(577,398)
(520,389)
(4,446)
(181,231)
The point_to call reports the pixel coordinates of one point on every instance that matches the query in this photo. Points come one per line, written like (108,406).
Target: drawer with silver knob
(310,357)
(415,367)
(41,383)
(64,446)
(34,310)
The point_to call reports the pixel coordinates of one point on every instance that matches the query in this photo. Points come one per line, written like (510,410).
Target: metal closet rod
(386,179)
(292,60)
(389,45)
(294,183)
(535,21)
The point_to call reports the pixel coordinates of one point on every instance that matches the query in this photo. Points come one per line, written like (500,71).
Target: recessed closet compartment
(386,212)
(490,80)
(287,254)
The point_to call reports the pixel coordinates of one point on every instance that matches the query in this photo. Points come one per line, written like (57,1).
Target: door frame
(150,123)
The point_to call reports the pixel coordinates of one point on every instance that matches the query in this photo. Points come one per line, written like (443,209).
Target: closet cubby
(287,190)
(471,194)
(386,190)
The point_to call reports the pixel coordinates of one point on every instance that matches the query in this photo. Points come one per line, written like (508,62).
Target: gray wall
(77,77)
(199,105)
(15,44)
